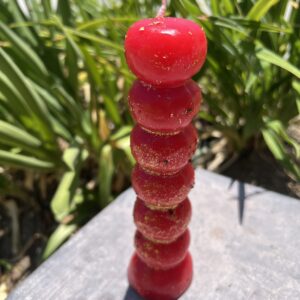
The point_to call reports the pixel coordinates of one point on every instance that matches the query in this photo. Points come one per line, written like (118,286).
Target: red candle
(159,255)
(163,154)
(164,110)
(164,53)
(162,191)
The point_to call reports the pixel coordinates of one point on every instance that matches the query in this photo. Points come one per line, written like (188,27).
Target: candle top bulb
(165,52)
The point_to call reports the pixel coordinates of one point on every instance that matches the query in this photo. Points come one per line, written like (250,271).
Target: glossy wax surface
(163,154)
(165,51)
(154,284)
(162,191)
(162,256)
(162,226)
(164,110)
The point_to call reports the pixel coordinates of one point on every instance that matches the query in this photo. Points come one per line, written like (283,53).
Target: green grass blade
(272,58)
(34,102)
(260,8)
(19,17)
(191,7)
(61,234)
(15,101)
(23,51)
(60,117)
(91,67)
(112,109)
(229,6)
(273,144)
(52,103)
(24,162)
(64,9)
(18,137)
(296,86)
(124,145)
(69,103)
(61,202)
(95,24)
(97,39)
(278,127)
(277,148)
(106,169)
(72,65)
(124,131)
(62,131)
(215,7)
(47,8)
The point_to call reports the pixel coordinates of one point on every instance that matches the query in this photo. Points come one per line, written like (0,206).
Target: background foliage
(64,122)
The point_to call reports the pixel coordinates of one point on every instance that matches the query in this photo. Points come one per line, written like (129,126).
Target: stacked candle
(164,53)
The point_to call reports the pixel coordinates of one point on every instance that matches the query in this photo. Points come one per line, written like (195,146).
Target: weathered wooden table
(259,259)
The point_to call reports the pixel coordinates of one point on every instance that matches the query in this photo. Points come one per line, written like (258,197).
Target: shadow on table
(241,197)
(131,295)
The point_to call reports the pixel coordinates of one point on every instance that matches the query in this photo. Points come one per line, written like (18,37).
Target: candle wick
(162,10)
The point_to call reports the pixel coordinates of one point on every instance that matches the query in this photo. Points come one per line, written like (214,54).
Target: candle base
(154,284)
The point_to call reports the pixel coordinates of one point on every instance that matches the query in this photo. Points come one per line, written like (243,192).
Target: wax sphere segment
(154,284)
(162,191)
(164,110)
(162,226)
(164,154)
(162,256)
(165,51)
